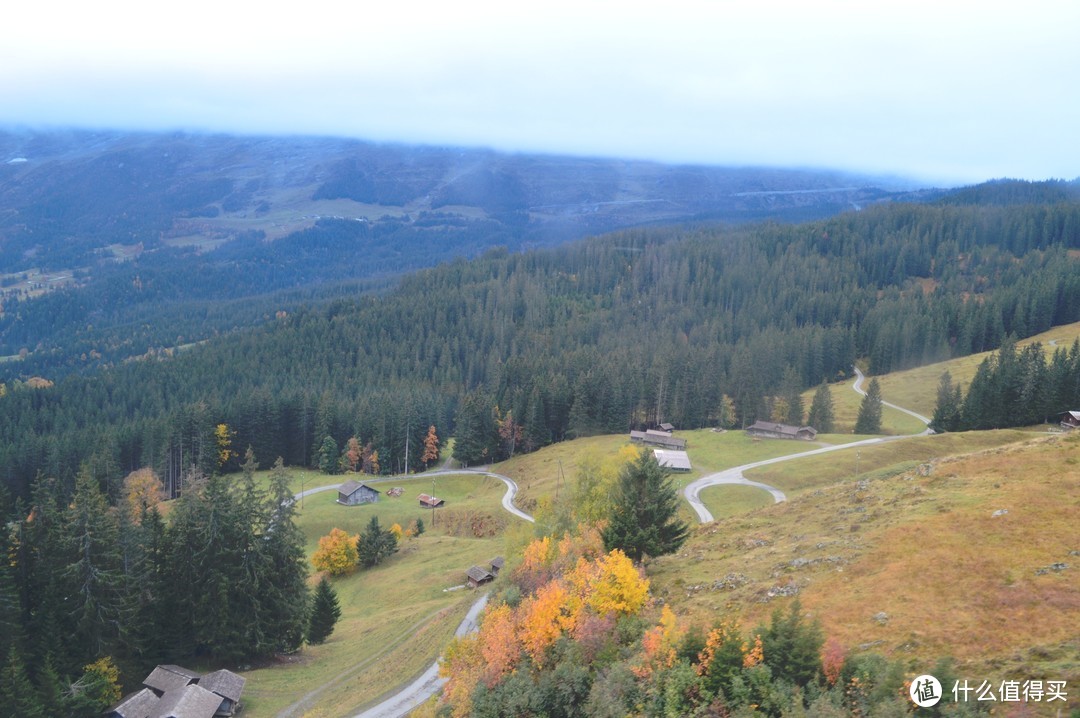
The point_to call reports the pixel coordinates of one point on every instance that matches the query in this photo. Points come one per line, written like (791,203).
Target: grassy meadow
(396,618)
(950,577)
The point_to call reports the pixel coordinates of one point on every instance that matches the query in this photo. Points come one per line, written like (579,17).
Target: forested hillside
(113,244)
(516,350)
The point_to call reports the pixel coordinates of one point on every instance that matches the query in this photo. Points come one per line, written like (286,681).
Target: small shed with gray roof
(168,677)
(187,702)
(226,684)
(672,460)
(136,705)
(354,493)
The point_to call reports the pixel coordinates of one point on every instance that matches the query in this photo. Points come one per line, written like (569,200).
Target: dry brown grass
(925,550)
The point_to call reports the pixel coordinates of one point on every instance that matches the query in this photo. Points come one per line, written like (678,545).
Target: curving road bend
(734,475)
(857,386)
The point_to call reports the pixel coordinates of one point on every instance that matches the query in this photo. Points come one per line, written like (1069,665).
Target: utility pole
(858,455)
(406,448)
(433,501)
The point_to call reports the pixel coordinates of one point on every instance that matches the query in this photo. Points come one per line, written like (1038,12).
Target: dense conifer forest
(515,350)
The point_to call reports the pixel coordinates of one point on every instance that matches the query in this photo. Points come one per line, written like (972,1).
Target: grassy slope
(916,389)
(395,618)
(953,579)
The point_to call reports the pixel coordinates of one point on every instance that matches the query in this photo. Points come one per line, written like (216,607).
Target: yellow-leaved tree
(223,437)
(143,490)
(337,552)
(617,586)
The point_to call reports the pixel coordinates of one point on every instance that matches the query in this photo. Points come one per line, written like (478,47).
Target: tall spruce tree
(644,514)
(325,612)
(949,404)
(375,544)
(284,586)
(93,579)
(821,410)
(793,394)
(869,420)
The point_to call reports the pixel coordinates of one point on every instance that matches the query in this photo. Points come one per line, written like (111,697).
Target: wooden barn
(772,430)
(672,460)
(477,576)
(354,493)
(1070,419)
(431,502)
(497,564)
(654,437)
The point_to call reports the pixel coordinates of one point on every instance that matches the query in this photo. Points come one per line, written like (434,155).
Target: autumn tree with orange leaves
(337,552)
(431,446)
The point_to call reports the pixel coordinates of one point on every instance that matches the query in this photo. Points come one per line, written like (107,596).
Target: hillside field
(396,617)
(912,566)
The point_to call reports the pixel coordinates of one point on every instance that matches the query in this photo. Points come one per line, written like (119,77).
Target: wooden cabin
(354,493)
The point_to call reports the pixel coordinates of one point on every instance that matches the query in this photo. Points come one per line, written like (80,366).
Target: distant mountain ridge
(64,195)
(113,244)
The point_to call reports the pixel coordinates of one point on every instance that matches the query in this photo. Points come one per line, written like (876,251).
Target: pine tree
(793,394)
(644,516)
(792,647)
(328,456)
(18,699)
(284,593)
(821,410)
(375,544)
(947,411)
(92,577)
(869,421)
(325,612)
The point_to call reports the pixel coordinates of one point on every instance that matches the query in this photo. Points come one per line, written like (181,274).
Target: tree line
(1012,387)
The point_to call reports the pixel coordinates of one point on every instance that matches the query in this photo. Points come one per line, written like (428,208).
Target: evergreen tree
(18,699)
(284,585)
(476,435)
(792,647)
(869,420)
(328,456)
(375,544)
(821,410)
(947,411)
(793,394)
(92,578)
(644,514)
(325,612)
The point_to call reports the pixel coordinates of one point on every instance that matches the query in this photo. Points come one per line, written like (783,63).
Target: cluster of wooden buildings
(356,493)
(477,576)
(175,692)
(670,451)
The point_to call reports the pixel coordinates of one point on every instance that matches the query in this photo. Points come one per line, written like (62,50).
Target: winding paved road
(734,475)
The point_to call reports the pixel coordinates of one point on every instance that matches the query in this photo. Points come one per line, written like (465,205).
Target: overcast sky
(944,91)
